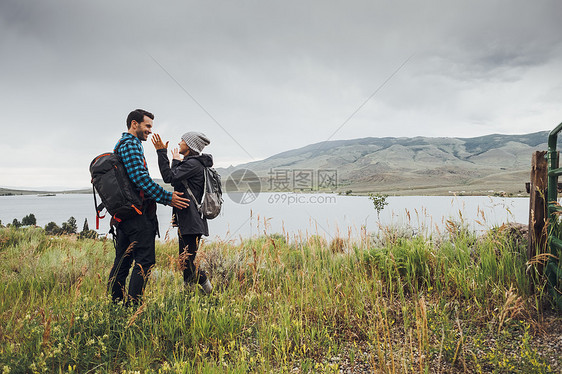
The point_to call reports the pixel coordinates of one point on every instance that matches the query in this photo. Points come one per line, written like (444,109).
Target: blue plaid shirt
(132,154)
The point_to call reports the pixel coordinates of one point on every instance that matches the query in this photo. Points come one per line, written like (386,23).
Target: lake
(327,215)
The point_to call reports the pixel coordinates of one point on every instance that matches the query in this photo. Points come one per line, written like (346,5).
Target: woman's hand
(158,143)
(176,154)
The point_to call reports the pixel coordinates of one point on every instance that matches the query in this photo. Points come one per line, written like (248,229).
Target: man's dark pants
(134,241)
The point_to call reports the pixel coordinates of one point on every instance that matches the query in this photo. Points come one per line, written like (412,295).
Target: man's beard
(140,135)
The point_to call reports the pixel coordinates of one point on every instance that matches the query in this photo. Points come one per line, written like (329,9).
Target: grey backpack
(211,201)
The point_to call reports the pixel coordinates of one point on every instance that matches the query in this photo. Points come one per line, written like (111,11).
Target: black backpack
(211,201)
(118,194)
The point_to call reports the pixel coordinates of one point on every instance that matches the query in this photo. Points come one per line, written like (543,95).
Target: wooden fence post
(537,206)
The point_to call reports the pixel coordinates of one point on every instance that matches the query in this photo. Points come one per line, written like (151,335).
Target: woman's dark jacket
(191,169)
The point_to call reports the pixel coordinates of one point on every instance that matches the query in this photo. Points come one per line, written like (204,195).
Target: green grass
(391,303)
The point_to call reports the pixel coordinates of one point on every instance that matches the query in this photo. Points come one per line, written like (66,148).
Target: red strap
(98,217)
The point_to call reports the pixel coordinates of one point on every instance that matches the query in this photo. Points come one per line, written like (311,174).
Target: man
(135,236)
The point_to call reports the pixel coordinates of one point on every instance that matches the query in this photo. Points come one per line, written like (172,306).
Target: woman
(187,169)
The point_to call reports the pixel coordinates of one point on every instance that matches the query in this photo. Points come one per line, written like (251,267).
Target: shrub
(29,220)
(69,227)
(88,234)
(52,228)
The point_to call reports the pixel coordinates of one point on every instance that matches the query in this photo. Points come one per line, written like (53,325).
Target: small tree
(29,220)
(86,227)
(379,201)
(16,223)
(72,223)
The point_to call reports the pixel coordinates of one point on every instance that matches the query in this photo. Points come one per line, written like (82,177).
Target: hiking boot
(207,287)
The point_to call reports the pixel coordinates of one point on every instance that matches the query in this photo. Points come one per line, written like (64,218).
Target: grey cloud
(288,71)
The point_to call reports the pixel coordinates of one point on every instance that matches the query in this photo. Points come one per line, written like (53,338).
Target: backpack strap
(98,208)
(198,204)
(141,192)
(205,170)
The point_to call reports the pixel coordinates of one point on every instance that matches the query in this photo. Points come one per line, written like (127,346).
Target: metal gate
(553,269)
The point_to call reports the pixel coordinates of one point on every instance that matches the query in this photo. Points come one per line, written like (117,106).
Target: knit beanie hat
(195,140)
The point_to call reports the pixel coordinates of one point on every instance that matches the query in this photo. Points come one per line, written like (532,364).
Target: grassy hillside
(390,303)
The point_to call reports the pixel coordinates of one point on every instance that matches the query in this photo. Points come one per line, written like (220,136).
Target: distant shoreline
(11,192)
(395,193)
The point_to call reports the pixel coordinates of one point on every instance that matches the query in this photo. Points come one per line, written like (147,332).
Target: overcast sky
(262,77)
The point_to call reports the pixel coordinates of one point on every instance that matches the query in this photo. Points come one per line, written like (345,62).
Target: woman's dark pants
(188,245)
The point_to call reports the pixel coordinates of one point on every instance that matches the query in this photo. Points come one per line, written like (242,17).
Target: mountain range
(488,164)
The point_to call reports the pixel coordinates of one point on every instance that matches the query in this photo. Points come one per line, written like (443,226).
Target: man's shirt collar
(129,135)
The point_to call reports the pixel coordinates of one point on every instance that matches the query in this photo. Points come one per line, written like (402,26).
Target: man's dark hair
(138,115)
